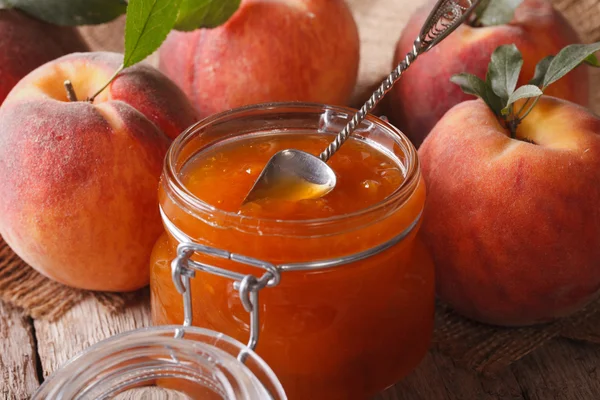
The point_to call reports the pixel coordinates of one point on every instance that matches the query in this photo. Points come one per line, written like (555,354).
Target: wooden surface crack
(37,362)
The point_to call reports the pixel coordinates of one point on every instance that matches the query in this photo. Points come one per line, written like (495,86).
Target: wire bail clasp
(183,268)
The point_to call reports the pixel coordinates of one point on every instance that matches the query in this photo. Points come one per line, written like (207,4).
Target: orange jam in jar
(341,287)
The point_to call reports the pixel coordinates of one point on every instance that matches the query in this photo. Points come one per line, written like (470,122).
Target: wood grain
(380,23)
(584,16)
(17,355)
(563,370)
(84,325)
(105,37)
(438,378)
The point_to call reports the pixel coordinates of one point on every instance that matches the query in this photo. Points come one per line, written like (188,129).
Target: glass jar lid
(200,364)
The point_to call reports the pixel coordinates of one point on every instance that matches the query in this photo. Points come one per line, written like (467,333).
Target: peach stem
(112,78)
(512,127)
(70,91)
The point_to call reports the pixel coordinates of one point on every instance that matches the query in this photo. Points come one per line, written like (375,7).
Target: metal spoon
(296,175)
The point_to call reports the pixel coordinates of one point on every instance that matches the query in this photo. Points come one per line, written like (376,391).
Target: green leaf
(523,92)
(70,12)
(471,84)
(194,14)
(147,25)
(568,59)
(592,60)
(496,12)
(540,71)
(504,69)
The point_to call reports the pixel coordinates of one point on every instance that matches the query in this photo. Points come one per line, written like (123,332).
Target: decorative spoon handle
(445,17)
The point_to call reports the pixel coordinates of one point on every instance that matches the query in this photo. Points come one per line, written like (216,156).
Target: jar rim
(123,341)
(401,193)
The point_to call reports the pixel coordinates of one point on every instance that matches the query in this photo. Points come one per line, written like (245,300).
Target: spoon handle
(445,17)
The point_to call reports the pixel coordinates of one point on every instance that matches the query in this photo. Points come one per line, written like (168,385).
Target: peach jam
(342,290)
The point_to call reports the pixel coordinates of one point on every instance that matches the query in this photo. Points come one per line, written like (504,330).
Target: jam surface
(224,175)
(344,333)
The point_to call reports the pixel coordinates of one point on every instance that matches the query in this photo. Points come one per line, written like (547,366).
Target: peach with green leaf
(82,143)
(420,99)
(513,178)
(78,188)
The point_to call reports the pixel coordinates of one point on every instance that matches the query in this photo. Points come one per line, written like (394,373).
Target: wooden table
(32,349)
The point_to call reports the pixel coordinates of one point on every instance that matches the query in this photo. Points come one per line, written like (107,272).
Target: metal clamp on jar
(183,268)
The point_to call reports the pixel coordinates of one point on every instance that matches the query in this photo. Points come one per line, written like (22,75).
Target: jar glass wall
(355,322)
(200,365)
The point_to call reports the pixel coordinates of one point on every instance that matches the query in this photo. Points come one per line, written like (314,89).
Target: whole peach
(418,101)
(300,50)
(78,180)
(514,224)
(26,43)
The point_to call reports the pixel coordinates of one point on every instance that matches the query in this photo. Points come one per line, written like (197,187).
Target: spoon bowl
(293,175)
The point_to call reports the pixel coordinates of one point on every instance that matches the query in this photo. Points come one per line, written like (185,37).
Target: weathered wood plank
(380,23)
(438,378)
(424,383)
(17,355)
(584,15)
(562,370)
(84,325)
(105,37)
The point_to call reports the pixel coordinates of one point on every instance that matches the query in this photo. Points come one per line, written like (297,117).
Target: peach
(26,43)
(78,189)
(420,99)
(299,50)
(513,224)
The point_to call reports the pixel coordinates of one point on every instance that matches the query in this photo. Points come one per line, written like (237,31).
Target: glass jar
(187,363)
(346,304)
